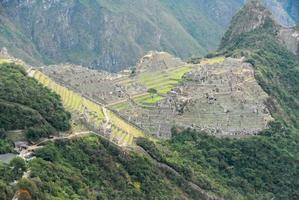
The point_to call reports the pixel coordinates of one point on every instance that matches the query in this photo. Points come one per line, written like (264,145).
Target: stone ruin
(158,61)
(98,85)
(222,99)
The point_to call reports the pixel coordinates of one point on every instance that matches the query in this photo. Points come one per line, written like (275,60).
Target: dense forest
(27,105)
(91,168)
(261,167)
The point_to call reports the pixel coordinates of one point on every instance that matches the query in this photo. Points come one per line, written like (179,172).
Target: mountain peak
(251,17)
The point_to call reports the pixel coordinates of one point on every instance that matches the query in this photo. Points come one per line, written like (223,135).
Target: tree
(2,133)
(133,71)
(18,166)
(27,189)
(152,91)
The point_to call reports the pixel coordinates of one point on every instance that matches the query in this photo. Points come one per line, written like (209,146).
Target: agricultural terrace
(121,132)
(161,81)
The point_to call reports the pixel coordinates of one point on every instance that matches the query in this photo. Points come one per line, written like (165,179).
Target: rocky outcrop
(290,38)
(252,16)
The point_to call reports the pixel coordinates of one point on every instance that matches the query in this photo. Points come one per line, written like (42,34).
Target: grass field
(3,60)
(165,80)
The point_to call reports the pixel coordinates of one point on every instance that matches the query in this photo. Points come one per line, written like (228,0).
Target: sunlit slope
(122,133)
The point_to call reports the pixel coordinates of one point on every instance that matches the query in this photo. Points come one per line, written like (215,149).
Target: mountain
(111,35)
(259,167)
(285,12)
(254,66)
(260,40)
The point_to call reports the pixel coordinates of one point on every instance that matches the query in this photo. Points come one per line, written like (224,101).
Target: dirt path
(106,125)
(27,153)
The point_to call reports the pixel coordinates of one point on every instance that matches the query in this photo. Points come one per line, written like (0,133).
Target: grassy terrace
(123,133)
(163,82)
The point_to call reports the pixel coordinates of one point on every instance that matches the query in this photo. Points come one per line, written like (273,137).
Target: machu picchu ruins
(218,95)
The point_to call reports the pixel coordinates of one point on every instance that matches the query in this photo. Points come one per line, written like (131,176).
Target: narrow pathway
(106,125)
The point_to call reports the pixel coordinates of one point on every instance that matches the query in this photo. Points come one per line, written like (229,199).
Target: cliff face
(290,38)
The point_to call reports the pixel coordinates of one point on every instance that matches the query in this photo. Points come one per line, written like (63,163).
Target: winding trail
(27,153)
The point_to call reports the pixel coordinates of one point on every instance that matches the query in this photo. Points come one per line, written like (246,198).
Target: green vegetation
(8,174)
(25,104)
(261,167)
(157,83)
(92,168)
(6,145)
(277,69)
(163,81)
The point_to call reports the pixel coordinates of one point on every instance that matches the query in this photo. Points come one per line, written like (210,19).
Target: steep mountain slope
(260,167)
(92,168)
(26,105)
(290,38)
(111,35)
(291,7)
(276,67)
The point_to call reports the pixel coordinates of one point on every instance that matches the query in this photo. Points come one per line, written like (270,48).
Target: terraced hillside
(160,71)
(219,95)
(96,117)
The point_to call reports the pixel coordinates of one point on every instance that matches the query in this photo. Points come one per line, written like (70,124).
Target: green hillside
(277,69)
(92,168)
(261,167)
(27,105)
